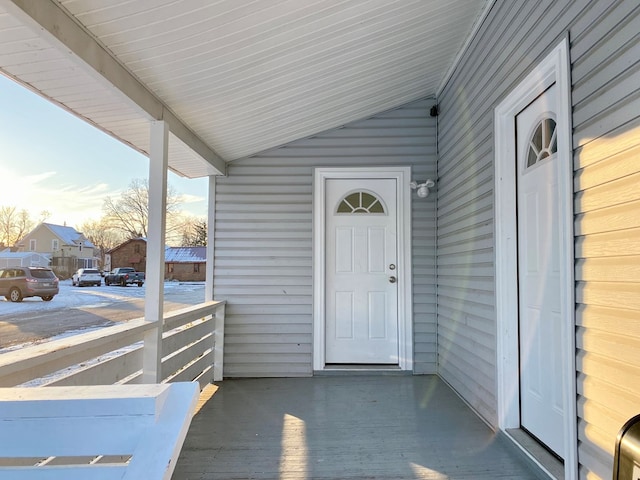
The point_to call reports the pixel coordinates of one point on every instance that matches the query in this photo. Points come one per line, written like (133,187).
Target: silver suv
(17,283)
(86,276)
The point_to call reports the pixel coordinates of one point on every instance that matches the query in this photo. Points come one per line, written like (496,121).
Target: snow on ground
(66,334)
(85,297)
(88,297)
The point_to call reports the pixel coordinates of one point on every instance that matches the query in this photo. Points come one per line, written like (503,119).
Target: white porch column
(218,346)
(154,296)
(211,229)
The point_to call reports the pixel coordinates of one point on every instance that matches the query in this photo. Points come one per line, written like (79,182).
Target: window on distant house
(55,245)
(80,247)
(32,245)
(170,267)
(136,248)
(196,267)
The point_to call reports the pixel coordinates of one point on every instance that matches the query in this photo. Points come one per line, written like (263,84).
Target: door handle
(392,279)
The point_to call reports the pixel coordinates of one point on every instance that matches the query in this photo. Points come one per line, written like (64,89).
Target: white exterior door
(361,271)
(540,331)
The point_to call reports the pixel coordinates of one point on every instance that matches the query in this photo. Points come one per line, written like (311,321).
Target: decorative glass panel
(361,203)
(543,143)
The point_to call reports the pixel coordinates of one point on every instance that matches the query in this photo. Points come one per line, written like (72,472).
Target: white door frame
(405,309)
(554,68)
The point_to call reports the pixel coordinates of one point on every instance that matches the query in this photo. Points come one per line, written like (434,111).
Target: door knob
(392,279)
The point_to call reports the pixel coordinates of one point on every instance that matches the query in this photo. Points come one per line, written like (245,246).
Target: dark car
(17,283)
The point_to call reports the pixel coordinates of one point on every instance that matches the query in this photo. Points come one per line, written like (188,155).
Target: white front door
(540,331)
(361,271)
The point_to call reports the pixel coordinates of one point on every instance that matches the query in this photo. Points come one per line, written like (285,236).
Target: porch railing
(192,350)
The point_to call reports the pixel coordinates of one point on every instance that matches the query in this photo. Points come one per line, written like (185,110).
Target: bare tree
(194,232)
(14,224)
(44,215)
(130,212)
(102,236)
(7,236)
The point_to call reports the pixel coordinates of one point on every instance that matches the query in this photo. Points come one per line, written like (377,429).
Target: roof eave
(49,20)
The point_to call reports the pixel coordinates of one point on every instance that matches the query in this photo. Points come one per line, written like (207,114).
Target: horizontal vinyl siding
(263,240)
(605,63)
(512,38)
(605,54)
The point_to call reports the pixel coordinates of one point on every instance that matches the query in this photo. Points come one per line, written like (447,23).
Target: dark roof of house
(143,239)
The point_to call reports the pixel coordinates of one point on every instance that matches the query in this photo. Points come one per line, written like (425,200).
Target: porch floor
(343,427)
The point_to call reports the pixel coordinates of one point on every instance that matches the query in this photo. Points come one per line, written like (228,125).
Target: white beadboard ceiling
(234,77)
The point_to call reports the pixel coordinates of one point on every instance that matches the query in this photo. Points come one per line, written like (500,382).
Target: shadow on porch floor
(359,427)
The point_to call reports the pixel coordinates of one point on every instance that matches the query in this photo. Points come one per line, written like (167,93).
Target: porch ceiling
(232,78)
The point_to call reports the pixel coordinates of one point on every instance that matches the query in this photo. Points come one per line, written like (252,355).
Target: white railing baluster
(218,344)
(193,338)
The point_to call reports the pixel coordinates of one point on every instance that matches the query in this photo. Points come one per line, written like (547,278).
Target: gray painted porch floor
(343,427)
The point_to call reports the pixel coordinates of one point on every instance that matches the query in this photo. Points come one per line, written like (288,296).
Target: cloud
(51,191)
(188,198)
(40,177)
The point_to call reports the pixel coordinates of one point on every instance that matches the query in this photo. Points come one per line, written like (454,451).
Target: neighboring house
(67,248)
(181,263)
(186,264)
(23,259)
(517,280)
(130,253)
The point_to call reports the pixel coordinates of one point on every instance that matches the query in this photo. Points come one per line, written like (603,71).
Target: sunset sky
(51,160)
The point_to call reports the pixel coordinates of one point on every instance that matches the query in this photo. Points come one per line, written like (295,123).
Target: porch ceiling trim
(474,31)
(48,20)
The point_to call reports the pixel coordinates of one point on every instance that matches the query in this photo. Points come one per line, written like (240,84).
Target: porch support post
(218,334)
(154,296)
(211,229)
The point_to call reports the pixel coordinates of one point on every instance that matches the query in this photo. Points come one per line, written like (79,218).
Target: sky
(51,160)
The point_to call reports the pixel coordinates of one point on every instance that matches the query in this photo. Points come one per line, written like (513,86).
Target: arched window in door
(543,143)
(361,203)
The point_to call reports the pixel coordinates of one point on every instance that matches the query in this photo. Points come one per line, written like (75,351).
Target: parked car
(124,276)
(17,283)
(86,276)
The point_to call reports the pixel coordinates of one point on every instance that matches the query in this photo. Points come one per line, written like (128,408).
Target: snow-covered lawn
(71,297)
(89,297)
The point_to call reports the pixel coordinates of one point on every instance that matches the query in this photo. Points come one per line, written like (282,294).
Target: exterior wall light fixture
(422,189)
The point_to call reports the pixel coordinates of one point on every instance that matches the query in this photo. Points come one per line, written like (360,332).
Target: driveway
(76,309)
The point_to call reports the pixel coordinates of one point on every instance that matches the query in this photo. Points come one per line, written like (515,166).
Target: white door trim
(554,68)
(405,309)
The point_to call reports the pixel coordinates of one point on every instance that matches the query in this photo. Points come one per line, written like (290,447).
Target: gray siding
(263,262)
(605,53)
(513,36)
(605,57)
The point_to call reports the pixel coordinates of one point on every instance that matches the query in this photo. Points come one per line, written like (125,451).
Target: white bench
(95,432)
